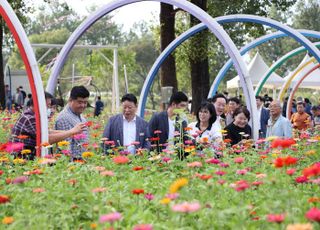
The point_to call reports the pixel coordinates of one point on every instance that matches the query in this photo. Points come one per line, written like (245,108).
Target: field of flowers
(243,188)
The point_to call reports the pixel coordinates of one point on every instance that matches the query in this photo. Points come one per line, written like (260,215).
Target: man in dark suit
(263,116)
(127,129)
(164,124)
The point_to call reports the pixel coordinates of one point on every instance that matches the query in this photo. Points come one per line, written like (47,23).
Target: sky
(126,15)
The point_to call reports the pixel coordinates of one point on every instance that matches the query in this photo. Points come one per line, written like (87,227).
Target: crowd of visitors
(218,120)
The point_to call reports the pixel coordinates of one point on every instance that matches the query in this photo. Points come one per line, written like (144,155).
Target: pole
(72,81)
(116,78)
(126,78)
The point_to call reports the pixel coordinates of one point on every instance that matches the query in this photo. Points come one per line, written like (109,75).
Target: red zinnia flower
(277,218)
(137,168)
(4,199)
(302,179)
(137,191)
(283,143)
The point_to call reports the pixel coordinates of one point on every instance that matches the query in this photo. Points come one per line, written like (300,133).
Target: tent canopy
(257,69)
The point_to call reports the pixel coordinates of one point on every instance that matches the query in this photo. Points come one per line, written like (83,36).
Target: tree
(167,35)
(6,40)
(199,63)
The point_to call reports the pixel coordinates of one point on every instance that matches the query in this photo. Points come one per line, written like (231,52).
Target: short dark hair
(234,99)
(300,103)
(243,110)
(46,96)
(260,98)
(209,106)
(130,97)
(218,95)
(79,91)
(178,97)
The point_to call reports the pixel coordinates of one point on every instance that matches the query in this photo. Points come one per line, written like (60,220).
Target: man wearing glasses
(278,125)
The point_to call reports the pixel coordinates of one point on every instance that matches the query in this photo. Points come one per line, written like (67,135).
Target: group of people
(217,119)
(18,100)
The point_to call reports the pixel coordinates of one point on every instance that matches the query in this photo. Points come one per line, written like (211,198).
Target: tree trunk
(167,34)
(199,63)
(2,93)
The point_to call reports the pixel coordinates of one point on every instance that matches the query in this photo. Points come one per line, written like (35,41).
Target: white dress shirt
(212,134)
(171,129)
(129,132)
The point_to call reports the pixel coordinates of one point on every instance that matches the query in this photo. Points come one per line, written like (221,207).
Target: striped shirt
(26,125)
(67,120)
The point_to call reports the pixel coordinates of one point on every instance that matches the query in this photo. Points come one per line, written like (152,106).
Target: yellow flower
(310,152)
(87,154)
(63,143)
(7,220)
(71,168)
(307,226)
(165,201)
(4,159)
(177,185)
(18,161)
(223,131)
(25,151)
(271,138)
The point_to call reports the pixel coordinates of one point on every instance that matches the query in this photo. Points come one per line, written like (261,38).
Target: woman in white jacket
(205,129)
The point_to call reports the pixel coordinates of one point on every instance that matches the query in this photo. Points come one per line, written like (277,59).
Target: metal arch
(224,19)
(187,6)
(33,73)
(286,84)
(296,86)
(248,47)
(278,63)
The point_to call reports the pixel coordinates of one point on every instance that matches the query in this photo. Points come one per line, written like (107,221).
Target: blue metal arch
(286,31)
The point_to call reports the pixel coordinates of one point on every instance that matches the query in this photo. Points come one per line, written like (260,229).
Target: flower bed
(246,188)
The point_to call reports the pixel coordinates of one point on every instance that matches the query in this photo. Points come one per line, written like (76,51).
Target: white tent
(258,69)
(312,81)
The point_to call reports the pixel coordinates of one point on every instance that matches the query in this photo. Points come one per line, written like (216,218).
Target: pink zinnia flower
(220,173)
(14,147)
(276,218)
(221,182)
(241,185)
(166,159)
(290,172)
(143,227)
(172,196)
(241,171)
(80,136)
(149,196)
(111,217)
(186,207)
(239,160)
(257,183)
(97,190)
(213,161)
(99,168)
(313,214)
(107,173)
(195,164)
(224,165)
(20,180)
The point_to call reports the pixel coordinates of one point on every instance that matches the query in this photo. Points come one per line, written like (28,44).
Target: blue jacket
(264,122)
(114,131)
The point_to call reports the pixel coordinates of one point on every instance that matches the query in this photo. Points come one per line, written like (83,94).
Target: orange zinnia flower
(7,220)
(22,137)
(120,160)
